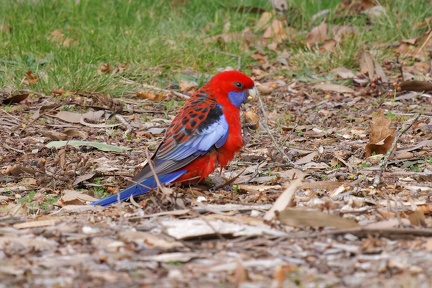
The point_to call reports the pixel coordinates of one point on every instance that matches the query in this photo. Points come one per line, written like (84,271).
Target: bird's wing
(199,126)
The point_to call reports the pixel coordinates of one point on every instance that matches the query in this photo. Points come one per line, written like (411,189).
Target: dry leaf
(72,197)
(30,79)
(198,228)
(334,88)
(264,21)
(313,218)
(72,117)
(324,185)
(379,71)
(317,35)
(276,31)
(281,273)
(343,72)
(240,274)
(416,85)
(152,240)
(306,159)
(93,116)
(5,28)
(417,218)
(120,69)
(366,63)
(264,89)
(187,86)
(27,181)
(329,46)
(381,135)
(17,170)
(54,135)
(104,68)
(15,98)
(251,118)
(150,95)
(38,243)
(75,133)
(34,224)
(340,31)
(387,224)
(58,37)
(285,198)
(68,116)
(82,178)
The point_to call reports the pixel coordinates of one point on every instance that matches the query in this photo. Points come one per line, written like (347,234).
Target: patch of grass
(49,201)
(366,165)
(99,192)
(28,198)
(395,23)
(65,42)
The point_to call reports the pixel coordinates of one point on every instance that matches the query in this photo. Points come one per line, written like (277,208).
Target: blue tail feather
(136,189)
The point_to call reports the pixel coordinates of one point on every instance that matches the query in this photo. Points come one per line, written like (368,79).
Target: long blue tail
(136,190)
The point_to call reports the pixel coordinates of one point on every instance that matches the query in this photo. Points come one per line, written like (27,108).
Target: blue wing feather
(136,189)
(215,134)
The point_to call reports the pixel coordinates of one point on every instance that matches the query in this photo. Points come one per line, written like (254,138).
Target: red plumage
(205,134)
(217,89)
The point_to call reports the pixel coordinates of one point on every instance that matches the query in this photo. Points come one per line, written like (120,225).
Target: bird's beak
(253,92)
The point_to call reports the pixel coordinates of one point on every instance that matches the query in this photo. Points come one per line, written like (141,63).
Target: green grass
(160,39)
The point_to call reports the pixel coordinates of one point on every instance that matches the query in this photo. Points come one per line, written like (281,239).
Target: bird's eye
(239,85)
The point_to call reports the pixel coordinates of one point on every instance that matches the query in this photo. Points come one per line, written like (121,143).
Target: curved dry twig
(377,179)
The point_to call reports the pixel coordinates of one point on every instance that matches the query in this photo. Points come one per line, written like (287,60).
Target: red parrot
(206,133)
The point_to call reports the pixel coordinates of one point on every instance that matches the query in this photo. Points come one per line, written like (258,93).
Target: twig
(124,122)
(229,181)
(377,179)
(256,172)
(150,163)
(365,231)
(265,124)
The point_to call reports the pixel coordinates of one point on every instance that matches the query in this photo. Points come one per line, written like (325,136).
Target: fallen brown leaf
(313,218)
(15,98)
(334,88)
(417,218)
(381,135)
(317,35)
(30,79)
(34,224)
(416,85)
(366,64)
(251,118)
(240,273)
(285,198)
(150,95)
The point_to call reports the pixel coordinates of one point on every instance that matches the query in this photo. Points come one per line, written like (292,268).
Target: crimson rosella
(206,133)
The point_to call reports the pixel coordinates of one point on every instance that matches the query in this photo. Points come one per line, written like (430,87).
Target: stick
(124,122)
(272,137)
(377,179)
(150,163)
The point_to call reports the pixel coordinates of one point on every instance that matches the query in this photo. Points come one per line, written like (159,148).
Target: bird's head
(236,85)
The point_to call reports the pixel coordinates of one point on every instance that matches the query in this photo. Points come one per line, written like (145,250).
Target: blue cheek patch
(237,98)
